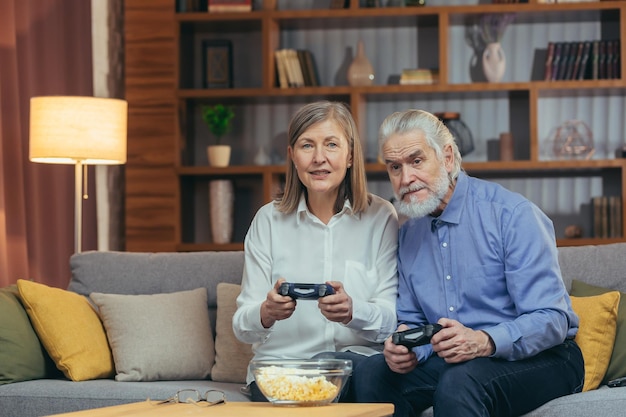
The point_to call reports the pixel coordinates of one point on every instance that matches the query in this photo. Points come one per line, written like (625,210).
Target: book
(311,68)
(564,60)
(575,53)
(600,222)
(185,6)
(548,65)
(297,70)
(595,59)
(339,4)
(556,60)
(303,67)
(419,76)
(602,57)
(584,62)
(612,59)
(616,59)
(604,204)
(291,64)
(286,60)
(573,75)
(225,6)
(281,70)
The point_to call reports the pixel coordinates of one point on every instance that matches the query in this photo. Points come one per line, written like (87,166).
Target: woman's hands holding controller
(276,307)
(336,307)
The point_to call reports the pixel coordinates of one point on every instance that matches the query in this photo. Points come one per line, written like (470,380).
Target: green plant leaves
(218,118)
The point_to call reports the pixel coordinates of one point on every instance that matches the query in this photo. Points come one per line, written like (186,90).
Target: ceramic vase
(360,71)
(218,155)
(494,62)
(221,209)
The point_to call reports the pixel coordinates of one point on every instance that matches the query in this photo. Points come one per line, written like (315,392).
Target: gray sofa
(141,273)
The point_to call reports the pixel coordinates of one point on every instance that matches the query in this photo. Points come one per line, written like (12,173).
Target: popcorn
(289,384)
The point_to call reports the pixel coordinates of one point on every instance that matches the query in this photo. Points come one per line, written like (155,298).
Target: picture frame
(217,63)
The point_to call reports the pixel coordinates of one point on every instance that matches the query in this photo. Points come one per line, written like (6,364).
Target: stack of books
(419,76)
(607,216)
(186,6)
(584,60)
(227,6)
(296,68)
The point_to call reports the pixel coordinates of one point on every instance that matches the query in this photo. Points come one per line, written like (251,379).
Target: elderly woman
(325,228)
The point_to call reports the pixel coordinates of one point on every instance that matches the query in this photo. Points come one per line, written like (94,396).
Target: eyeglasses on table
(193,396)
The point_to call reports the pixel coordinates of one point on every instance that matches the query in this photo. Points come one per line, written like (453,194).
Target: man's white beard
(416,209)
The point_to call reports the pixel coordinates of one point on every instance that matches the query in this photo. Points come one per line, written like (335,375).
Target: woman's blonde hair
(354,185)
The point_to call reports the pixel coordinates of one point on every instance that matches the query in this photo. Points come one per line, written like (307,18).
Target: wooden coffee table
(236,409)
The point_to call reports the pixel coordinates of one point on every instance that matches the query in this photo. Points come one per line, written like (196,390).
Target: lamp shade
(67,129)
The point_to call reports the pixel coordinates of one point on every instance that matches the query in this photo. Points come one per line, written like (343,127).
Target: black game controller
(415,337)
(305,291)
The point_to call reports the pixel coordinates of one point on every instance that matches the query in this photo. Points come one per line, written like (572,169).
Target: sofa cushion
(596,333)
(617,364)
(601,265)
(21,355)
(153,273)
(231,355)
(69,329)
(158,336)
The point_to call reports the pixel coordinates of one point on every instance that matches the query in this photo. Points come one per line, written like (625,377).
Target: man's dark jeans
(479,387)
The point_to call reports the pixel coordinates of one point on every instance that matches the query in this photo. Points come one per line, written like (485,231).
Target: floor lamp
(79,131)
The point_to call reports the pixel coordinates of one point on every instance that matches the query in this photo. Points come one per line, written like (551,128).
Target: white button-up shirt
(357,249)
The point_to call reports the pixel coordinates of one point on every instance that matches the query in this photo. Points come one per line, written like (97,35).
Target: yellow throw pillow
(70,330)
(596,333)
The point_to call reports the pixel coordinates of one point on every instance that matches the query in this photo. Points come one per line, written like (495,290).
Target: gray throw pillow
(158,336)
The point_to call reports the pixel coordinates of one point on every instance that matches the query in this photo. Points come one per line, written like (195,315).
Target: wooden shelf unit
(164,178)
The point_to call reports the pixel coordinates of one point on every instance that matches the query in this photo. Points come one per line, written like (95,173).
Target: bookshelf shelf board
(191,93)
(484,167)
(365,12)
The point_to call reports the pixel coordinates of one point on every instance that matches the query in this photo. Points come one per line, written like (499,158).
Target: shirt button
(451,308)
(444,244)
(448,277)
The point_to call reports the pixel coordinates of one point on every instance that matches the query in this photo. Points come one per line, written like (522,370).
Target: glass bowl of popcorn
(309,382)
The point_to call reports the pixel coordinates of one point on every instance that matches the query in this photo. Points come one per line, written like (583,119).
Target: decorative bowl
(301,382)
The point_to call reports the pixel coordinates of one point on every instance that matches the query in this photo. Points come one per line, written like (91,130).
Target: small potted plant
(219,120)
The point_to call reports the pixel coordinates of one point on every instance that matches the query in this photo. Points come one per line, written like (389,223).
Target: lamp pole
(78,205)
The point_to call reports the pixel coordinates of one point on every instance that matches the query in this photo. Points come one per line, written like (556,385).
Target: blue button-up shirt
(489,261)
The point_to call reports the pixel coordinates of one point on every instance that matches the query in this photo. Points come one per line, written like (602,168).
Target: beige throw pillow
(231,355)
(158,336)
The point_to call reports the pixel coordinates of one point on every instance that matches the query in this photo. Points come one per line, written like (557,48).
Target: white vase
(221,208)
(494,62)
(360,71)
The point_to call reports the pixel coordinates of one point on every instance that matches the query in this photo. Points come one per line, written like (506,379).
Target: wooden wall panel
(151,183)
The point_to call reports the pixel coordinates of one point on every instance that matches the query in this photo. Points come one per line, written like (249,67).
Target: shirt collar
(452,213)
(303,209)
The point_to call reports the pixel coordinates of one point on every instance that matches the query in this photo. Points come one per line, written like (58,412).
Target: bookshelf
(167,174)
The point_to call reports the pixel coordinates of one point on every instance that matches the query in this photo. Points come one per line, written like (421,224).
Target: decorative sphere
(573,140)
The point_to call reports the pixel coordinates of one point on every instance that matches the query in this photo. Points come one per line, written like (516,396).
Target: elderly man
(481,262)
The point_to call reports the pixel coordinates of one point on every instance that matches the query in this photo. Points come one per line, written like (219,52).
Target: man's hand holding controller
(415,337)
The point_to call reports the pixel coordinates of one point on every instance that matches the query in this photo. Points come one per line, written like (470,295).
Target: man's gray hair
(436,133)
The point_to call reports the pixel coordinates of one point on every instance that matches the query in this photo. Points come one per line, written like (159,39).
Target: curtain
(45,49)
(108,81)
